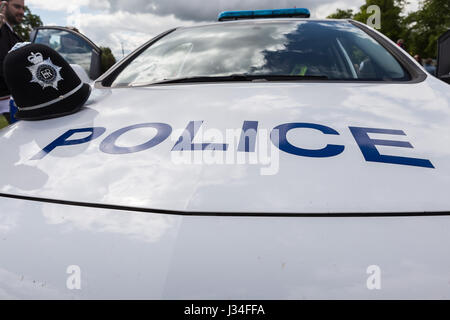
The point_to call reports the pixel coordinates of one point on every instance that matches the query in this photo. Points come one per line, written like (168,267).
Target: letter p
(63,140)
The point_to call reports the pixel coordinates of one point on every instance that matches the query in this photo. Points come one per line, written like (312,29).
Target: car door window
(72,47)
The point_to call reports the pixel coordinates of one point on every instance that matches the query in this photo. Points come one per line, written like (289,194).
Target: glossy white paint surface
(126,254)
(139,255)
(151,178)
(81,73)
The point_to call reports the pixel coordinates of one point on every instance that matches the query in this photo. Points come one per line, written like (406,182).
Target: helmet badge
(44,72)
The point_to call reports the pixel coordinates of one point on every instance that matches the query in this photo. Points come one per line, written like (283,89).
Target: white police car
(254,159)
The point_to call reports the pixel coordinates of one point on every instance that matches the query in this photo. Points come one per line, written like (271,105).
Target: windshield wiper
(241,77)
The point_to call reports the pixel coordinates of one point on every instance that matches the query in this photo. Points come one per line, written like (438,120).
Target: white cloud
(200,10)
(133,22)
(112,23)
(322,11)
(413,5)
(193,10)
(131,30)
(58,5)
(99,5)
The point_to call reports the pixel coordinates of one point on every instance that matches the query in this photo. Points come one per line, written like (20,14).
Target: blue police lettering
(63,140)
(108,145)
(370,152)
(185,141)
(247,142)
(279,134)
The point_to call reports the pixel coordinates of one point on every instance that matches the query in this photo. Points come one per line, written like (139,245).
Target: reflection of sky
(141,226)
(120,253)
(214,257)
(26,288)
(82,59)
(217,50)
(151,179)
(257,48)
(73,48)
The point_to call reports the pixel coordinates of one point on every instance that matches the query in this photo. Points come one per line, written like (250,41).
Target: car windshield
(335,50)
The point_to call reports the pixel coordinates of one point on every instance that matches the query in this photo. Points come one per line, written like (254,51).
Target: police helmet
(42,83)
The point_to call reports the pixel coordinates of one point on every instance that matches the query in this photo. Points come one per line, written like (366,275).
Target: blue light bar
(261,14)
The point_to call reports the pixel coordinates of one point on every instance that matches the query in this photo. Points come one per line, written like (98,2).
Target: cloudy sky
(129,23)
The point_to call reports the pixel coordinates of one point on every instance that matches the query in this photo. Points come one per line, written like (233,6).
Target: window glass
(337,50)
(73,48)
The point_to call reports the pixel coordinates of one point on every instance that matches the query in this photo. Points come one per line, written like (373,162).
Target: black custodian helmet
(42,83)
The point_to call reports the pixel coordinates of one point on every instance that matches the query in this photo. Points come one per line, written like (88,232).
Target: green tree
(30,21)
(426,25)
(392,24)
(108,59)
(341,14)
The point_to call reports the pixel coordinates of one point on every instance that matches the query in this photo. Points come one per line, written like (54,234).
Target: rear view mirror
(95,70)
(443,62)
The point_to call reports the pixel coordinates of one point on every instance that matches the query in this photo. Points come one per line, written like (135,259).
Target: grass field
(3,122)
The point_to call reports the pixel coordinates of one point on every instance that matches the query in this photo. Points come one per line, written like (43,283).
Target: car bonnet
(121,149)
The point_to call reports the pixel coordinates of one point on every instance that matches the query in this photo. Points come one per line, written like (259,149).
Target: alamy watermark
(373,282)
(249,146)
(73,281)
(374,20)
